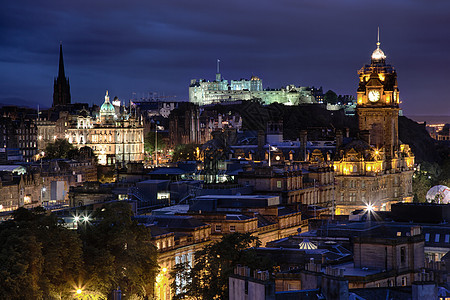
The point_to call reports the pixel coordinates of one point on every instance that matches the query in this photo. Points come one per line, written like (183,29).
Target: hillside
(308,117)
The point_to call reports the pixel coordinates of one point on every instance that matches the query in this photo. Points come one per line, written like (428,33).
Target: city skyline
(159,47)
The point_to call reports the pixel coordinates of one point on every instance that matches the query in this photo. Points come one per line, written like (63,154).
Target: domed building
(107,111)
(375,169)
(116,138)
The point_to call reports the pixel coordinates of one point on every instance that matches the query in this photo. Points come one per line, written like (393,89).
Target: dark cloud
(140,46)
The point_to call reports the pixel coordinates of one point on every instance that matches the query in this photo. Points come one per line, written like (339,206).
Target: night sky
(158,46)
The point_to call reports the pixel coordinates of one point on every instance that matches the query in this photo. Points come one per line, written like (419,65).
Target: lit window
(447,238)
(436,238)
(232,228)
(279,184)
(404,281)
(427,237)
(219,228)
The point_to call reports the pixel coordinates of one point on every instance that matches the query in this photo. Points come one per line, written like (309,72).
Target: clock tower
(378,103)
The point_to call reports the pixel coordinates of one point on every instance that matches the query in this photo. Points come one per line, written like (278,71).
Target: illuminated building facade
(115,138)
(184,125)
(18,135)
(375,169)
(203,92)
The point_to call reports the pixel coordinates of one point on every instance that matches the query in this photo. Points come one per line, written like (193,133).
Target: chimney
(261,140)
(303,141)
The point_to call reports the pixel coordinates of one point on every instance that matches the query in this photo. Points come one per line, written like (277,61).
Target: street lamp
(43,190)
(369,208)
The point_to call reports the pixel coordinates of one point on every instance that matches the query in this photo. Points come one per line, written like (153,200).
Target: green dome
(107,109)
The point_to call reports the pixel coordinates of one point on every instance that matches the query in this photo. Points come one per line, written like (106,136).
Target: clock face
(374,95)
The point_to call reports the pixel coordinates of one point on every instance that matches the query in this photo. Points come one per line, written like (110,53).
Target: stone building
(374,170)
(176,239)
(184,125)
(115,139)
(19,191)
(18,131)
(400,256)
(203,92)
(54,126)
(310,184)
(263,216)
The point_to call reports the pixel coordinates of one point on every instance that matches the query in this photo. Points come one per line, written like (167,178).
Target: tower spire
(378,54)
(378,37)
(61,86)
(61,62)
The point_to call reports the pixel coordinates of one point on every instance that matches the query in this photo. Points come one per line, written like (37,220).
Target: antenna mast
(218,71)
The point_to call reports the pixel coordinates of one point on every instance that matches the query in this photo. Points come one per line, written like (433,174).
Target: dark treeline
(40,258)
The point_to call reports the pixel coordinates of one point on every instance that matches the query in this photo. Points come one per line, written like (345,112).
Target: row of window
(163,244)
(232,228)
(354,183)
(27,144)
(437,237)
(26,131)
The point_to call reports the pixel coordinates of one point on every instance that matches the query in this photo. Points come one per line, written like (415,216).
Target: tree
(118,252)
(186,152)
(61,148)
(150,141)
(425,177)
(208,278)
(39,257)
(330,97)
(86,153)
(20,264)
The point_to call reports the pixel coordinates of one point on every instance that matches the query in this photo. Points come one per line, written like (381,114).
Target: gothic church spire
(61,63)
(61,86)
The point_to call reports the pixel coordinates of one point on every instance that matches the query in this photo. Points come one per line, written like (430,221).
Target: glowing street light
(369,208)
(79,291)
